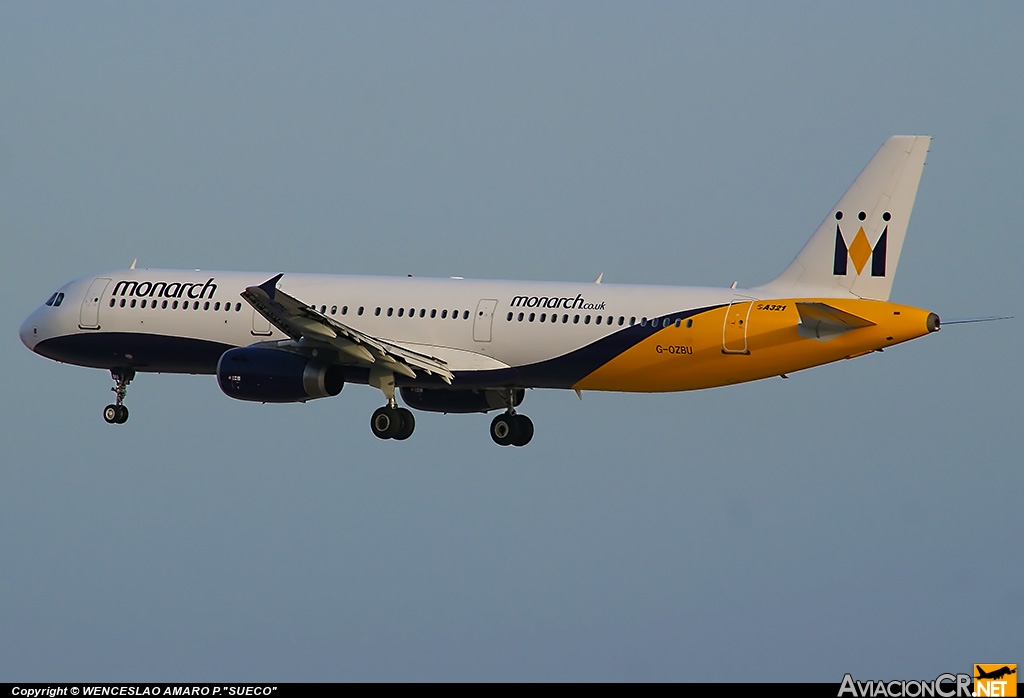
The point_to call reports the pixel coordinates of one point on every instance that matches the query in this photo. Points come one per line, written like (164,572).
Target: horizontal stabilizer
(822,321)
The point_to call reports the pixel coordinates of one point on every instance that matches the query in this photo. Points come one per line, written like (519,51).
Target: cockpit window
(60,299)
(51,299)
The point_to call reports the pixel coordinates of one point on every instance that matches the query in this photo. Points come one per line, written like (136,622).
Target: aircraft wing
(299,320)
(821,320)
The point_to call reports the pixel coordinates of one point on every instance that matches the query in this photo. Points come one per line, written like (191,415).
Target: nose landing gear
(118,413)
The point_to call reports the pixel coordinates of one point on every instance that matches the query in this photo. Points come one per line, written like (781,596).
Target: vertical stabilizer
(857,247)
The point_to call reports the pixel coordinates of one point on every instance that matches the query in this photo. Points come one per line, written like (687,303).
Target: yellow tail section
(749,340)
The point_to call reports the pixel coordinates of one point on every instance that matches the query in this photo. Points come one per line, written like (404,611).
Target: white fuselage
(472,325)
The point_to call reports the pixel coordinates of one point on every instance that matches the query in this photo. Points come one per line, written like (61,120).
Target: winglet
(270,286)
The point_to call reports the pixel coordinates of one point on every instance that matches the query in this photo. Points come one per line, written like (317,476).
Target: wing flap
(299,320)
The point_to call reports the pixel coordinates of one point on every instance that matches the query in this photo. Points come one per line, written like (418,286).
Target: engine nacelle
(273,375)
(459,401)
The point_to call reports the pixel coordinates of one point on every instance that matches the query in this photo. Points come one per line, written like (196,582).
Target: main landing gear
(118,413)
(511,429)
(390,421)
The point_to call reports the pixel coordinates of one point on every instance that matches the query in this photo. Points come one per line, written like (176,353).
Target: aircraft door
(483,320)
(734,330)
(89,316)
(260,325)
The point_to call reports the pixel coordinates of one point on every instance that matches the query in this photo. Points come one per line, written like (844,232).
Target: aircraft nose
(29,331)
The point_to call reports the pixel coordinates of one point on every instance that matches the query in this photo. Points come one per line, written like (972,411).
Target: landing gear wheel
(525,427)
(115,414)
(408,424)
(505,429)
(386,422)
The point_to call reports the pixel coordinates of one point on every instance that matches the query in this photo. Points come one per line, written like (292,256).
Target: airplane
(468,346)
(995,674)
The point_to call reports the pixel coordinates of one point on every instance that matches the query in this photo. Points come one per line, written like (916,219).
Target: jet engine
(273,375)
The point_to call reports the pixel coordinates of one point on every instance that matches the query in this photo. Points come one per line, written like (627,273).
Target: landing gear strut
(390,421)
(511,429)
(118,413)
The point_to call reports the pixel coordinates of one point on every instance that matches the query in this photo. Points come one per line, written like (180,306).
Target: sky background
(861,517)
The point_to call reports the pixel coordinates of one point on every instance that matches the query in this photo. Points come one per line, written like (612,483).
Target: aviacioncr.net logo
(995,680)
(944,686)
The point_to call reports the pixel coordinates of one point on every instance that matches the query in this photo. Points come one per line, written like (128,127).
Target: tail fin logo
(860,250)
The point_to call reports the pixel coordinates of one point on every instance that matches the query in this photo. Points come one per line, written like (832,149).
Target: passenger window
(195,305)
(143,303)
(533,316)
(401,311)
(112,301)
(423,312)
(521,316)
(586,320)
(391,311)
(543,317)
(565,319)
(377,311)
(679,322)
(433,313)
(632,321)
(444,314)
(206,305)
(174,305)
(689,323)
(360,312)
(643,322)
(508,318)
(334,310)
(576,319)
(122,302)
(622,320)
(465,314)
(238,307)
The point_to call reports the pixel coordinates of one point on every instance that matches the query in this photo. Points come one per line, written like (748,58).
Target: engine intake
(459,401)
(273,375)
